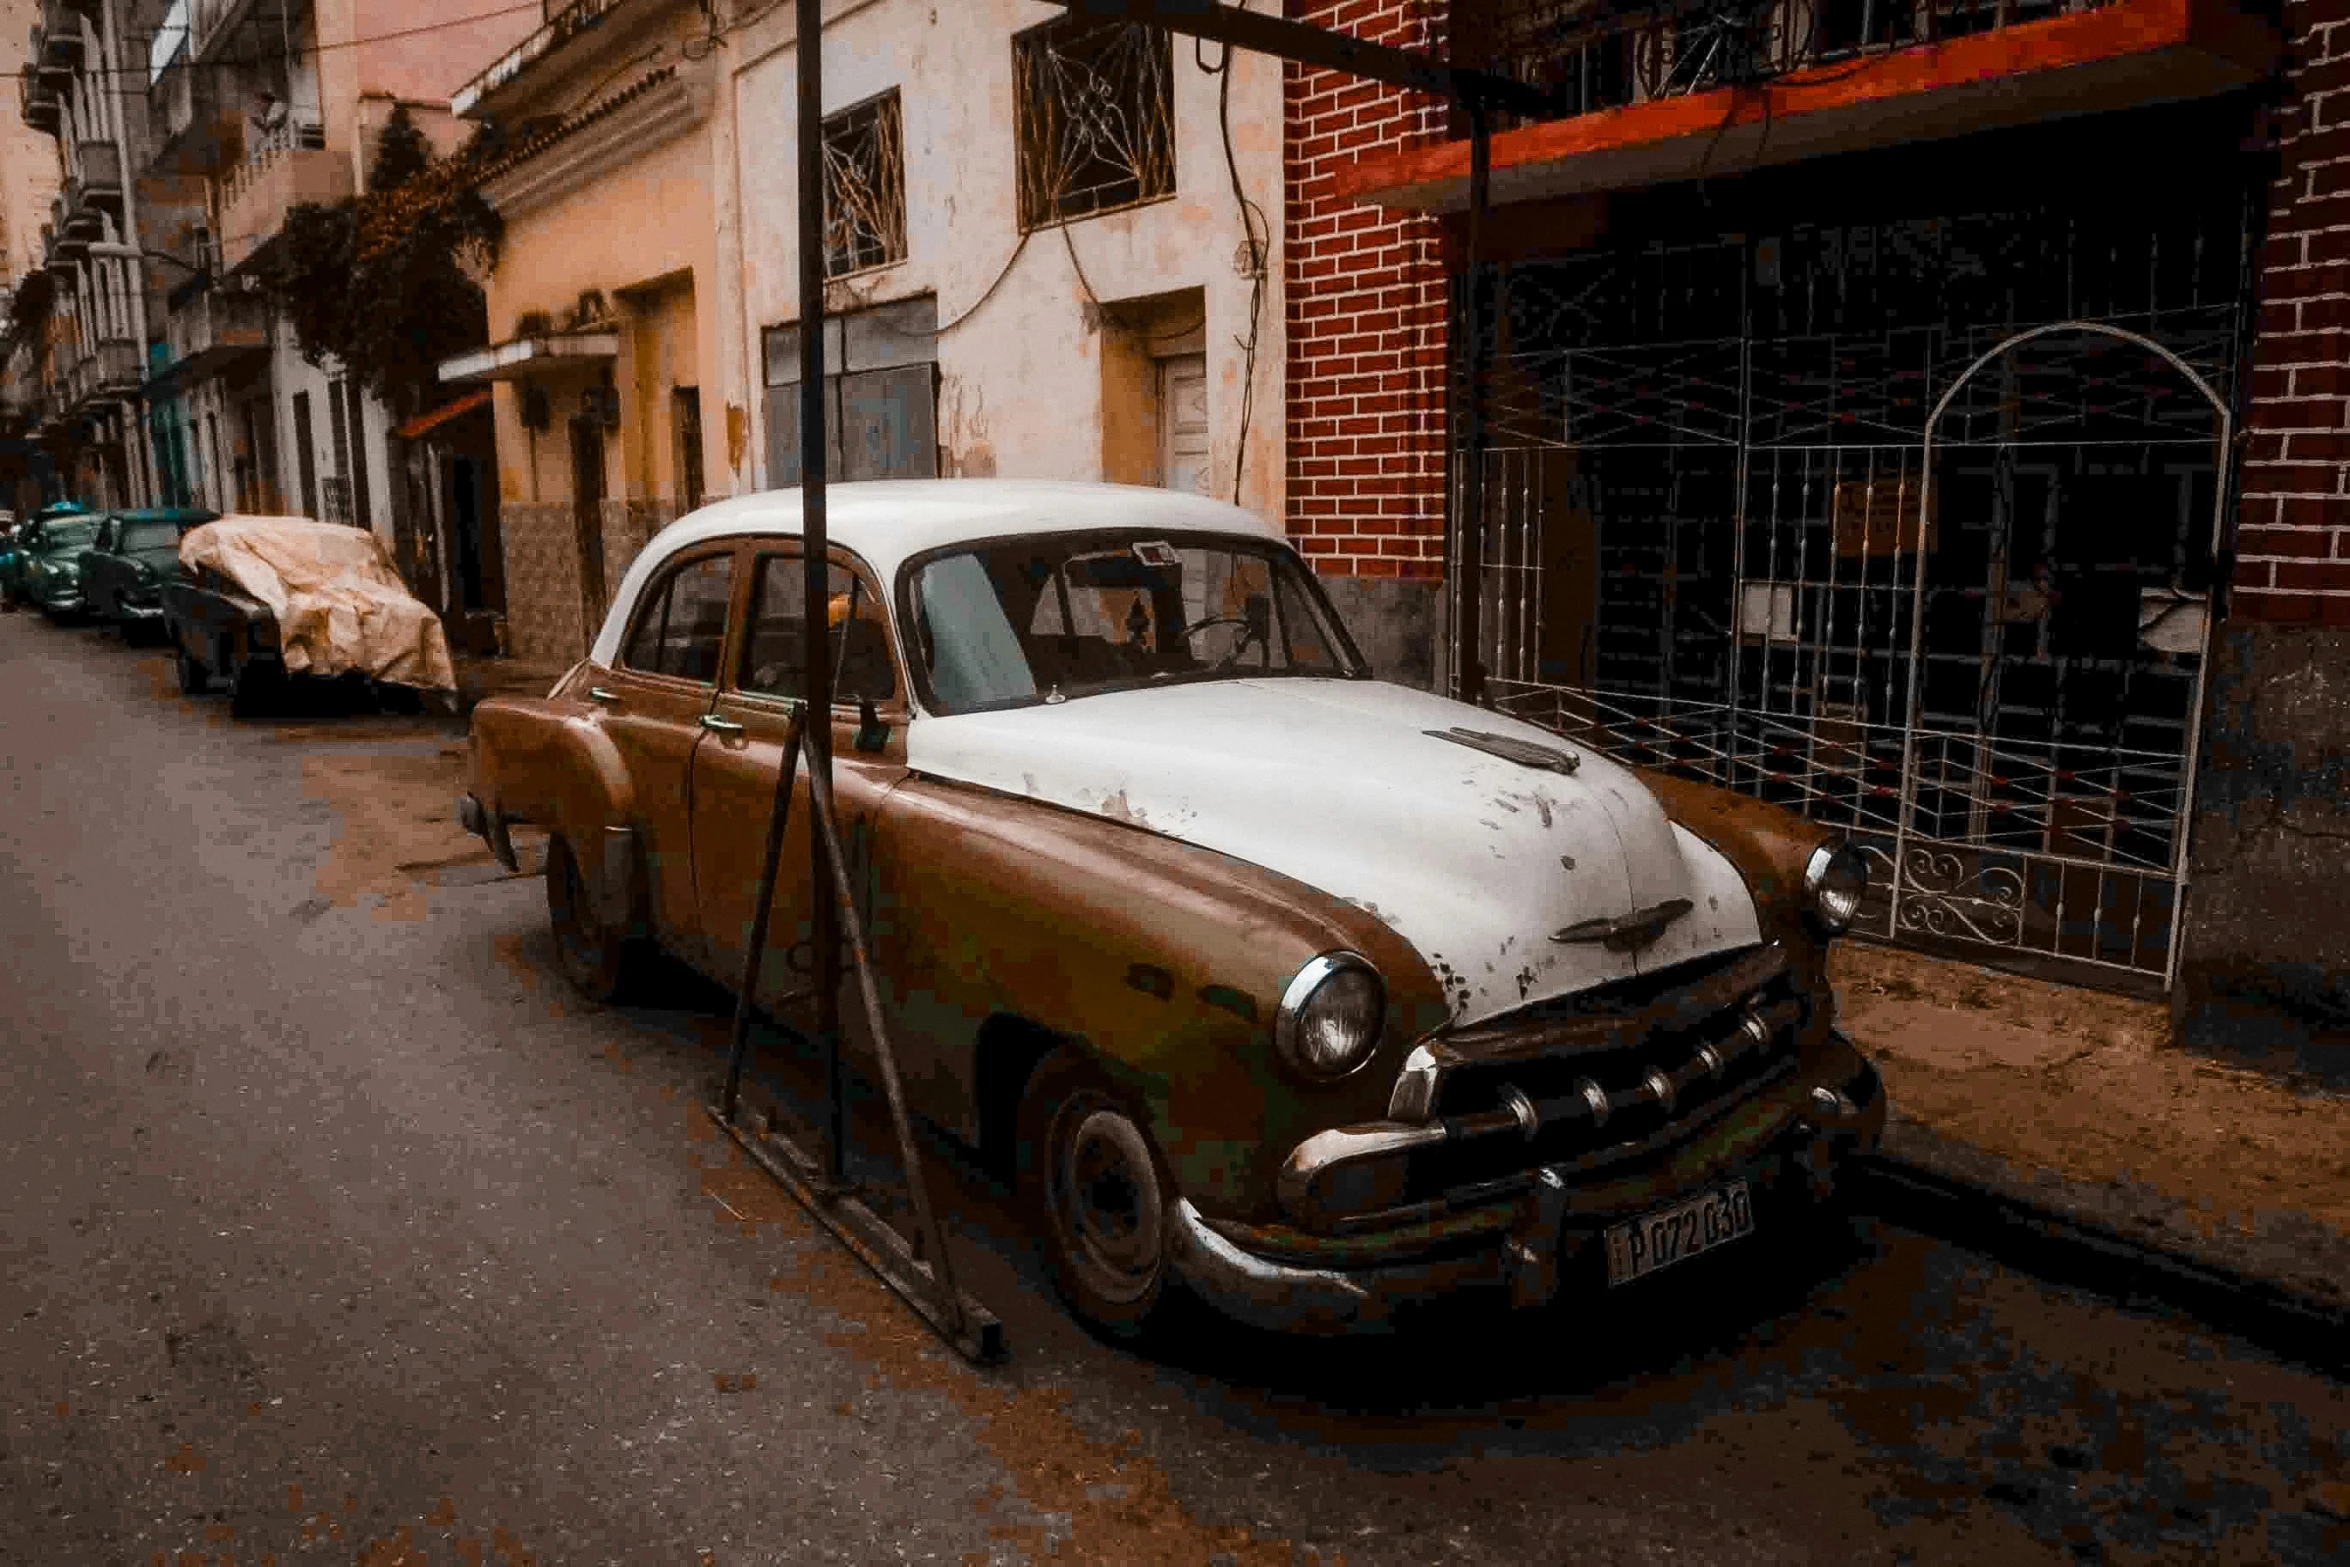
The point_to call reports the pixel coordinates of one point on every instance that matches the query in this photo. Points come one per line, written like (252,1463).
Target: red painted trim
(2131,27)
(457,408)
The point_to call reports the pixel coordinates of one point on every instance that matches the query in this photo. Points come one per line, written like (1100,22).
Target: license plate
(1669,1235)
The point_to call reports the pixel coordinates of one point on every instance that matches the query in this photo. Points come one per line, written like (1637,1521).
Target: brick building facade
(2244,886)
(2268,922)
(1368,345)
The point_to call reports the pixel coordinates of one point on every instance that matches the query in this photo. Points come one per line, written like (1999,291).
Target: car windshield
(1054,616)
(145,535)
(68,533)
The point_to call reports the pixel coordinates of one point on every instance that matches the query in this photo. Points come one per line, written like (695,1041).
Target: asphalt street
(327,1236)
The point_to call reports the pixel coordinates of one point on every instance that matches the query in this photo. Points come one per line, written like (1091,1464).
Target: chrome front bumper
(1282,1280)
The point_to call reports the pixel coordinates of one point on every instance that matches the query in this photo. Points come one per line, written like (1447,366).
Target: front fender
(1166,961)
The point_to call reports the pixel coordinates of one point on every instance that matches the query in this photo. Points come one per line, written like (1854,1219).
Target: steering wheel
(1249,633)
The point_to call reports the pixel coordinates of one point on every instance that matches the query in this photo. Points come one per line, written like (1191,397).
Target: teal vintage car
(44,566)
(125,567)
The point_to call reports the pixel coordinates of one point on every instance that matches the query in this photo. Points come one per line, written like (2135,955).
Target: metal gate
(1911,527)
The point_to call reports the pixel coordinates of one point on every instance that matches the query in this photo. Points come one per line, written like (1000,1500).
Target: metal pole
(777,816)
(816,725)
(934,1242)
(1472,562)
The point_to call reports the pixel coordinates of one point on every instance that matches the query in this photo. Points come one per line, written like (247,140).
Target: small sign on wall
(1766,611)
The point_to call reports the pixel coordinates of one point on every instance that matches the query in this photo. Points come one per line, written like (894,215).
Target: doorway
(587,518)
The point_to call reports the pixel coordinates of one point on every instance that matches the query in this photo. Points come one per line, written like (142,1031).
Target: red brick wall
(1366,315)
(2293,537)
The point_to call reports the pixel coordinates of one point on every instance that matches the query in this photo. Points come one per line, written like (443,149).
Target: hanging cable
(1257,236)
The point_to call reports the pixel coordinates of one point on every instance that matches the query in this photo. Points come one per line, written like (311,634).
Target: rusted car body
(1317,993)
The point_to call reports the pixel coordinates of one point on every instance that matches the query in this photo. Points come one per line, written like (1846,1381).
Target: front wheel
(597,961)
(1099,1194)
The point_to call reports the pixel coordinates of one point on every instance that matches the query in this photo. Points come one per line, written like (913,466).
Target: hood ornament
(1625,932)
(1510,749)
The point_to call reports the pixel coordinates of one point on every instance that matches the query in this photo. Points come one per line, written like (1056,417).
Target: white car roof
(889,521)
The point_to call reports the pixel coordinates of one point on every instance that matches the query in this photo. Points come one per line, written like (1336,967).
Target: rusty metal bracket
(921,1272)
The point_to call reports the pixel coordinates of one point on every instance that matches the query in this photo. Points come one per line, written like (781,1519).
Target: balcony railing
(212,326)
(98,175)
(37,101)
(115,369)
(213,23)
(561,27)
(1610,55)
(284,167)
(61,37)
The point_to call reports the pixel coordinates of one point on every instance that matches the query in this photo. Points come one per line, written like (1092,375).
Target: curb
(2073,1249)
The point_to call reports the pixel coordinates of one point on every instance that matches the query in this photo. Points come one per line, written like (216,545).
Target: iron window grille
(1094,103)
(864,186)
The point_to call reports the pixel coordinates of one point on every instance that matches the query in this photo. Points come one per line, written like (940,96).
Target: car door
(654,697)
(97,569)
(734,771)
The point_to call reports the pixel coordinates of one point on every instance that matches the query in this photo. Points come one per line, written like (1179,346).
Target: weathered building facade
(1856,427)
(1053,254)
(262,105)
(600,314)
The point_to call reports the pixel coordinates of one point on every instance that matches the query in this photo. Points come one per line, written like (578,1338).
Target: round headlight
(1330,1016)
(1834,881)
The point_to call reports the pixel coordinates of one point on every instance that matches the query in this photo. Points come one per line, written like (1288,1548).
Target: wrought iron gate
(1910,527)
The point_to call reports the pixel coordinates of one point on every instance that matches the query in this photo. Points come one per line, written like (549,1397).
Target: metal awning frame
(920,1271)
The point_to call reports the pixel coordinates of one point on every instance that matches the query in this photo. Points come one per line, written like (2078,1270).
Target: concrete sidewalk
(2075,1104)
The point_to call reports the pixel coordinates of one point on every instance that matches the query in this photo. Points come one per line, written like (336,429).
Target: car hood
(1474,859)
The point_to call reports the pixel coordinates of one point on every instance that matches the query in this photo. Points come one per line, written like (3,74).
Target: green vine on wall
(383,282)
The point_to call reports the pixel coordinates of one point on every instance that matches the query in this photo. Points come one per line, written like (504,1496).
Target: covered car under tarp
(340,607)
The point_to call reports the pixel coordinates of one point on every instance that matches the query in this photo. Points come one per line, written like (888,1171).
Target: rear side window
(681,628)
(772,660)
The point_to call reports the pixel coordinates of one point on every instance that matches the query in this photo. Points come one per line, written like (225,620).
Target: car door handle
(722,725)
(599,694)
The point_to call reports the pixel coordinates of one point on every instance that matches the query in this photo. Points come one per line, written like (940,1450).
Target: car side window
(771,658)
(681,628)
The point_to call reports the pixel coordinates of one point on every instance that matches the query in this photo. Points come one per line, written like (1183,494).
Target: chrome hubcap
(1108,1197)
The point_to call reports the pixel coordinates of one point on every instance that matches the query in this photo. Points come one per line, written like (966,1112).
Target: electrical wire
(1259,239)
(239,62)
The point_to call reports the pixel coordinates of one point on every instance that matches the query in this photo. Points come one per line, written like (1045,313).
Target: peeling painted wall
(1020,390)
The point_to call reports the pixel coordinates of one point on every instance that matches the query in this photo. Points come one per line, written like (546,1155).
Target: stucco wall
(637,228)
(1021,385)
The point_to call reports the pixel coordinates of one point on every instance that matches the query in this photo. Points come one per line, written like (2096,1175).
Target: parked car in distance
(126,565)
(52,564)
(30,542)
(259,600)
(1316,994)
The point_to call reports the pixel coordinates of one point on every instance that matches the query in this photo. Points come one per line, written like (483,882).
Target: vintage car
(32,569)
(126,565)
(261,600)
(1314,993)
(50,563)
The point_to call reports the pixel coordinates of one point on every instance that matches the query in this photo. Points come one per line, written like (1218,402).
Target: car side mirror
(872,733)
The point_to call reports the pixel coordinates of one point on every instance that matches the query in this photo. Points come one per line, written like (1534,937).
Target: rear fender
(547,761)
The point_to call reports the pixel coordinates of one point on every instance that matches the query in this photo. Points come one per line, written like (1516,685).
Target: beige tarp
(339,604)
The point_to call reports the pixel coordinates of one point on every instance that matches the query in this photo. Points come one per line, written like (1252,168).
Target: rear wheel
(194,677)
(598,962)
(253,688)
(1099,1193)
